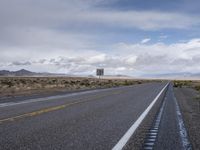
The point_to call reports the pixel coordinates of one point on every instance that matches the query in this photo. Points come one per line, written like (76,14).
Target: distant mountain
(4,72)
(118,76)
(180,75)
(24,72)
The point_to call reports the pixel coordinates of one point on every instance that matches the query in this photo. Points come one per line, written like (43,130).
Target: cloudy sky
(132,37)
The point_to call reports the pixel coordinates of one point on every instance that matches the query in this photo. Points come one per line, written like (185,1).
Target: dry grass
(27,85)
(188,83)
(183,83)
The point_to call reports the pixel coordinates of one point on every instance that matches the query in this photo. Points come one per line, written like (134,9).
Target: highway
(96,119)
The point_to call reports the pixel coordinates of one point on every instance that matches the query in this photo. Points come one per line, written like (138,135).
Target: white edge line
(58,96)
(122,142)
(48,98)
(182,130)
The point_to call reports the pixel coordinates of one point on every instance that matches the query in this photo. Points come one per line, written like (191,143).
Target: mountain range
(24,72)
(181,75)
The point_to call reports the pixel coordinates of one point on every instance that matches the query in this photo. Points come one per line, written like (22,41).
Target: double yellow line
(54,108)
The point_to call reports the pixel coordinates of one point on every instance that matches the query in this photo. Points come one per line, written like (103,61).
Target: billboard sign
(100,72)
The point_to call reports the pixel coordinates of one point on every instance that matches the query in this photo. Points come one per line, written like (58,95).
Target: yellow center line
(54,108)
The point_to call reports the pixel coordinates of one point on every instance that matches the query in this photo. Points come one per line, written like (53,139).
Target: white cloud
(144,20)
(56,36)
(145,40)
(132,59)
(54,14)
(161,57)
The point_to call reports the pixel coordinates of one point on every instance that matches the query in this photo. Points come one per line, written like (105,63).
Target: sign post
(100,72)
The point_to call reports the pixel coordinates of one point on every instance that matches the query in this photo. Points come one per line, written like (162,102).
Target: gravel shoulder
(190,110)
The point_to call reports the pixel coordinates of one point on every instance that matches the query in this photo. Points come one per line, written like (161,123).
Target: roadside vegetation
(195,84)
(182,83)
(190,84)
(188,95)
(26,85)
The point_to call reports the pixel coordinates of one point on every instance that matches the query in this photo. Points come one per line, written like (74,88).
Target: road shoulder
(186,98)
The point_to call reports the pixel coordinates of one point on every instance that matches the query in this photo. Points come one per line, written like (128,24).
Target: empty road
(96,119)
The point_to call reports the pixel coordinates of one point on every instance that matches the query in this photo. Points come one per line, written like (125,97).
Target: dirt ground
(14,86)
(188,99)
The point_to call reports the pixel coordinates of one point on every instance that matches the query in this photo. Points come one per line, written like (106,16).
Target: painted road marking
(60,96)
(50,98)
(148,148)
(182,130)
(122,142)
(54,108)
(152,139)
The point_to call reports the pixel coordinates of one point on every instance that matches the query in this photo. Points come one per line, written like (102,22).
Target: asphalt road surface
(169,136)
(95,119)
(168,131)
